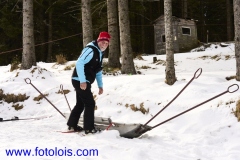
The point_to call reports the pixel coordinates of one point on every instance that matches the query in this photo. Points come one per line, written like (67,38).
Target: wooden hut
(184,35)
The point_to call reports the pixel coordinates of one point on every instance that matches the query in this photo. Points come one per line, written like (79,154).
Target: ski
(70,131)
(78,132)
(15,118)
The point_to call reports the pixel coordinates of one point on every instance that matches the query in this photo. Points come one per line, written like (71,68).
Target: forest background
(214,19)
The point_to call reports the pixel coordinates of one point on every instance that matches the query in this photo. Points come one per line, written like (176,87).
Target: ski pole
(194,77)
(227,91)
(28,81)
(61,87)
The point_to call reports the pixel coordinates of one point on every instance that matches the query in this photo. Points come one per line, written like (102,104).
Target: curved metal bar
(199,69)
(61,87)
(28,80)
(233,90)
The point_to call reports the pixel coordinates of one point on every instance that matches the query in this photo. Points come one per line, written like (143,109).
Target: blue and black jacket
(89,65)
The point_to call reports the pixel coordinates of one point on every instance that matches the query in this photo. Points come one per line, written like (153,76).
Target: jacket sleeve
(85,57)
(99,79)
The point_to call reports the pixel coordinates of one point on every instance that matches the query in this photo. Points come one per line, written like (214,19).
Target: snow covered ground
(209,132)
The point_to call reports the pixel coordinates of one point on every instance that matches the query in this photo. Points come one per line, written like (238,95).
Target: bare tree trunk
(28,55)
(86,22)
(229,20)
(50,32)
(125,39)
(184,9)
(237,36)
(170,70)
(114,47)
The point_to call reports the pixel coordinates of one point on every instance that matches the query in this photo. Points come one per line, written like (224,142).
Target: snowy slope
(210,132)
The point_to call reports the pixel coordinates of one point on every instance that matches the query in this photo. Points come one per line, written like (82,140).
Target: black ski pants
(84,101)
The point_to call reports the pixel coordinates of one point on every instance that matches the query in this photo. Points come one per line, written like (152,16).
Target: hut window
(186,31)
(163,38)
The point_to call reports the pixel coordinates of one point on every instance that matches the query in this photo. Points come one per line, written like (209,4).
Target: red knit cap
(104,36)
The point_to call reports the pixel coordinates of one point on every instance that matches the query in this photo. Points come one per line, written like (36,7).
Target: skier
(88,68)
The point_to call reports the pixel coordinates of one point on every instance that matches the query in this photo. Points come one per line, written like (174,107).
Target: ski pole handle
(232,90)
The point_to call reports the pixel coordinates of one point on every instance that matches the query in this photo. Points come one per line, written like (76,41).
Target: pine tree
(170,70)
(114,48)
(86,22)
(125,40)
(28,55)
(237,36)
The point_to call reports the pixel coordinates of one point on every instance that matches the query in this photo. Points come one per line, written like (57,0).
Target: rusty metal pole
(61,87)
(227,91)
(28,81)
(194,77)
